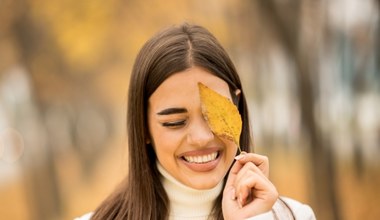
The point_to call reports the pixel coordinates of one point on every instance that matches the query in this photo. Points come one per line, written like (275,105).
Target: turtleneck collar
(186,202)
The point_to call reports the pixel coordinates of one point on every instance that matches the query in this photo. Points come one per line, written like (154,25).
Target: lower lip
(203,167)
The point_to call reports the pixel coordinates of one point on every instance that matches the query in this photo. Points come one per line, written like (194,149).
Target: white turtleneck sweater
(187,203)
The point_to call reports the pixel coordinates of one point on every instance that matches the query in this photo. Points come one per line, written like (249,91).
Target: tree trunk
(321,158)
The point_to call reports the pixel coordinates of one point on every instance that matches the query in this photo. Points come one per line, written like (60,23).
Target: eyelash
(174,124)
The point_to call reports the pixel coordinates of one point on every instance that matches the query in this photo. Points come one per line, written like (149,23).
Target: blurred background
(310,69)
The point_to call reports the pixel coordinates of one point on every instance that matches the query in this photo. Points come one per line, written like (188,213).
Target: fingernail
(239,157)
(233,195)
(240,202)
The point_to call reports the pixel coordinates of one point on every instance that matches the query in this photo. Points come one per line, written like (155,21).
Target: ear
(237,93)
(236,97)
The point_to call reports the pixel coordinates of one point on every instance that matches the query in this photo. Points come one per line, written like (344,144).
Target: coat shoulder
(85,217)
(299,210)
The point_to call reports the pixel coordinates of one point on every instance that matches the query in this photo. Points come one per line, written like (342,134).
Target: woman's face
(184,144)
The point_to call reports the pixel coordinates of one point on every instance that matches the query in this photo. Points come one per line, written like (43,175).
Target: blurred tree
(286,20)
(49,62)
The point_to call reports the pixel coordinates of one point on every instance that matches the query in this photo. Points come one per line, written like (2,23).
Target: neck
(186,202)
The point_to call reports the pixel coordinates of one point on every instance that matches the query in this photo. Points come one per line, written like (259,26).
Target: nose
(200,133)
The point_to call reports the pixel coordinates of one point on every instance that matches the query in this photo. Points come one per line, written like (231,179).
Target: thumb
(236,167)
(230,194)
(229,203)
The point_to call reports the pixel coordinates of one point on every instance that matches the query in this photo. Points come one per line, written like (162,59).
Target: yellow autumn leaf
(221,114)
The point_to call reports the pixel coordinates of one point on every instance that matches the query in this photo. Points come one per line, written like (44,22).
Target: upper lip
(200,152)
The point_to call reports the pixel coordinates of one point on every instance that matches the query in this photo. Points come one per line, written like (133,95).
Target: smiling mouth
(201,158)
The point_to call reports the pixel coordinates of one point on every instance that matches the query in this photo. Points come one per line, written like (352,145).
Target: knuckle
(250,166)
(274,195)
(251,173)
(265,159)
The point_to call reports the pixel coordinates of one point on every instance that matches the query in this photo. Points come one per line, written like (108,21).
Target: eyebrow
(170,111)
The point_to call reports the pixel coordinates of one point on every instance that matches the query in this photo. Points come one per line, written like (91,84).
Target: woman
(178,168)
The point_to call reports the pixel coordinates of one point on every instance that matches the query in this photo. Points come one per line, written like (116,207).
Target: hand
(248,191)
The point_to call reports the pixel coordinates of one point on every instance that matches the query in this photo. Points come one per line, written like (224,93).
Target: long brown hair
(177,48)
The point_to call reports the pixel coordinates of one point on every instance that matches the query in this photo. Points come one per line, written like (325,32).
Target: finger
(242,192)
(230,206)
(244,185)
(248,162)
(241,160)
(249,166)
(229,197)
(245,158)
(264,194)
(236,167)
(263,198)
(262,162)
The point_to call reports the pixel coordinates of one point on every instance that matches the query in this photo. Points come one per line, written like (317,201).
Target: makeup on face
(183,141)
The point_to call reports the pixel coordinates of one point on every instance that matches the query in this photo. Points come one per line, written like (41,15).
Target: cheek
(164,142)
(231,149)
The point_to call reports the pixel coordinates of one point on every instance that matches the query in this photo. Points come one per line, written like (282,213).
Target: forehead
(183,87)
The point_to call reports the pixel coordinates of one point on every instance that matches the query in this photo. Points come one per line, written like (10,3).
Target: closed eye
(174,124)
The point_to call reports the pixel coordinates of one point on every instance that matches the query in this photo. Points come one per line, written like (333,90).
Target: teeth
(201,159)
